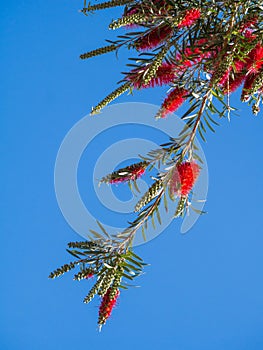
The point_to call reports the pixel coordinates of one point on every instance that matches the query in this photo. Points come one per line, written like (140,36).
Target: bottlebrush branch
(203,51)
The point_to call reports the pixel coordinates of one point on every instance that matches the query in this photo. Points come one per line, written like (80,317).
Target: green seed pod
(99,51)
(257,83)
(107,281)
(180,207)
(84,245)
(136,18)
(105,5)
(63,269)
(255,109)
(112,96)
(152,192)
(83,274)
(94,290)
(153,67)
(115,284)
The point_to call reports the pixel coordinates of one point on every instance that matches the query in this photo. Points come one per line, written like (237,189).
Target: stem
(197,122)
(129,238)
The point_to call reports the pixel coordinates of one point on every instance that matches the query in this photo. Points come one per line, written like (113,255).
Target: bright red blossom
(153,38)
(184,178)
(255,59)
(249,23)
(193,55)
(107,305)
(189,18)
(173,101)
(239,65)
(248,34)
(233,83)
(165,74)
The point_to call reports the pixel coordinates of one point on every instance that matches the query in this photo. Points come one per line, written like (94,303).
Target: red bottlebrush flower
(239,65)
(248,34)
(184,178)
(172,102)
(192,55)
(89,275)
(233,83)
(106,306)
(189,18)
(153,38)
(255,59)
(132,11)
(224,77)
(165,74)
(249,23)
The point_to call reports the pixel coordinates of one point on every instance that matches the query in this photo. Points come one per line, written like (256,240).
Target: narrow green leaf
(212,120)
(209,125)
(96,234)
(201,134)
(153,223)
(127,276)
(135,255)
(158,215)
(202,126)
(103,229)
(138,263)
(136,186)
(132,267)
(122,286)
(165,202)
(143,234)
(73,253)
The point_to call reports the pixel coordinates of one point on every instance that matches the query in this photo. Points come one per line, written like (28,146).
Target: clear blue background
(203,290)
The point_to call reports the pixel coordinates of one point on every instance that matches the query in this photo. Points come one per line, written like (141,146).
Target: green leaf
(103,229)
(190,110)
(196,156)
(127,276)
(132,267)
(153,223)
(134,261)
(136,186)
(212,120)
(143,234)
(96,234)
(201,134)
(135,255)
(158,215)
(73,253)
(165,202)
(209,125)
(202,126)
(122,286)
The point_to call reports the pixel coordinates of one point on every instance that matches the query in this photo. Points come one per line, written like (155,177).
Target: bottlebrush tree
(203,50)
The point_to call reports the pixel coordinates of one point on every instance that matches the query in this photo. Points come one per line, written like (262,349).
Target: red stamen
(190,17)
(184,178)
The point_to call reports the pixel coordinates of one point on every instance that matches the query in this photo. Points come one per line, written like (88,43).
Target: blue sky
(203,290)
